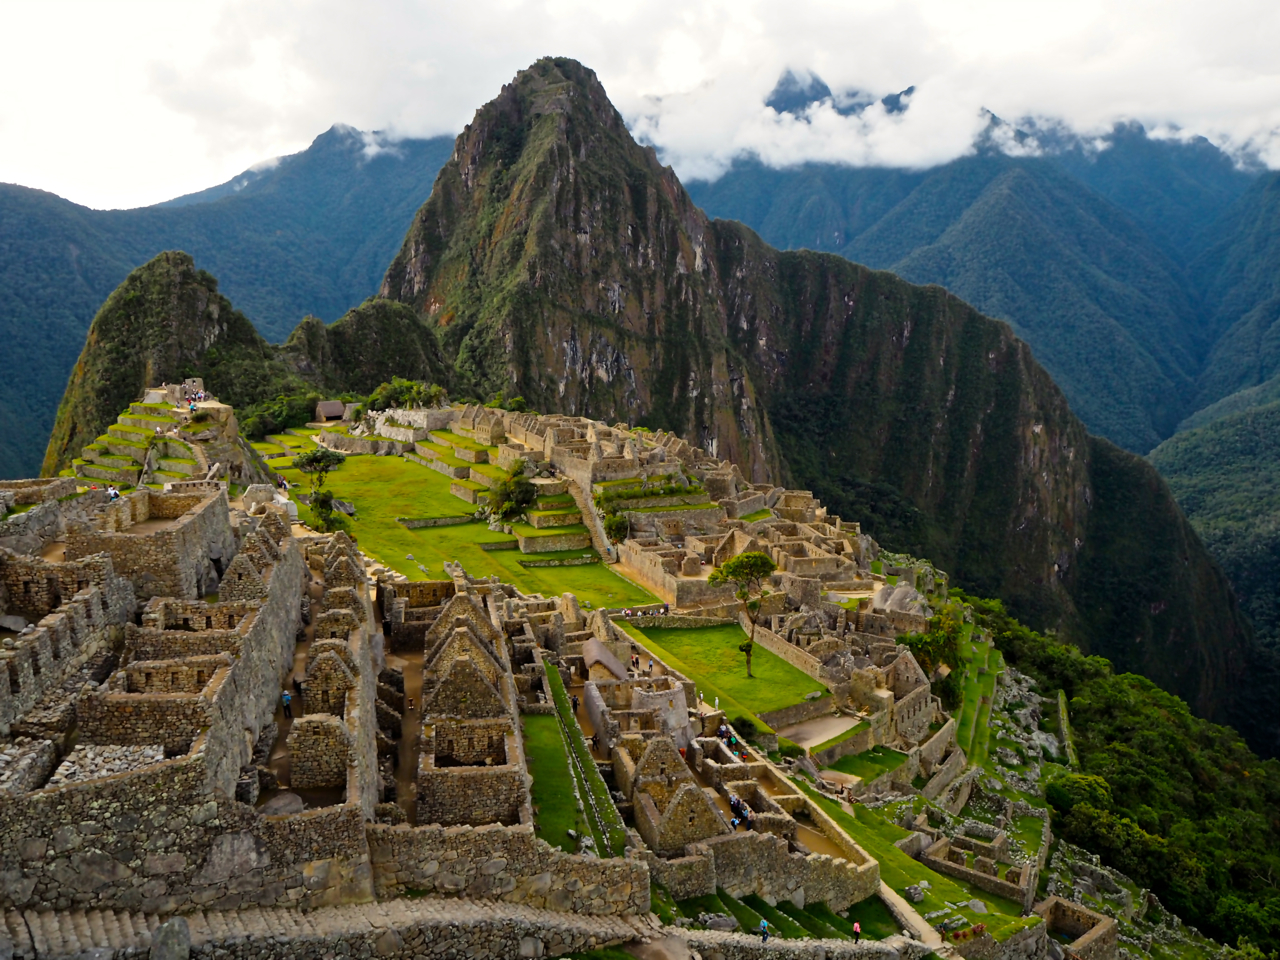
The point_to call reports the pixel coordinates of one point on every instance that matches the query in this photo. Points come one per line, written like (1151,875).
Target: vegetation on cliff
(1180,804)
(1226,476)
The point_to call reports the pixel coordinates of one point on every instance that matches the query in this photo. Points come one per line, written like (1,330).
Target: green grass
(870,914)
(692,906)
(876,835)
(755,515)
(812,923)
(840,737)
(601,953)
(870,764)
(555,809)
(603,817)
(710,656)
(383,488)
(783,925)
(747,918)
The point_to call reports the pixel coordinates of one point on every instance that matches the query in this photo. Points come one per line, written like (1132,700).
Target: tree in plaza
(317,463)
(748,573)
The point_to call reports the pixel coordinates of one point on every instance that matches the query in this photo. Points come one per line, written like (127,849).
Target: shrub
(617,528)
(789,749)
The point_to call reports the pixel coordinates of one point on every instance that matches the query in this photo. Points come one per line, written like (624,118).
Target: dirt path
(407,767)
(820,730)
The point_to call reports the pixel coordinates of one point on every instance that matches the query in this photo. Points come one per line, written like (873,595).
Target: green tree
(1066,791)
(747,572)
(513,494)
(317,463)
(617,527)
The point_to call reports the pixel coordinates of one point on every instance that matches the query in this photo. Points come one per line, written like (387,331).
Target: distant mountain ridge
(1083,250)
(309,234)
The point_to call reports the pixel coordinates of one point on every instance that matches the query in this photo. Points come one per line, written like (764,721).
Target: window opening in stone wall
(14,686)
(208,623)
(146,680)
(200,678)
(26,586)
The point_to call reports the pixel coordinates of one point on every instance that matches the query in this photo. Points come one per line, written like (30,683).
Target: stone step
(109,474)
(72,933)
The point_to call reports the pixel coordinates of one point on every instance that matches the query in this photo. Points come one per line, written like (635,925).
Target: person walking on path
(287,700)
(857,931)
(575,703)
(764,931)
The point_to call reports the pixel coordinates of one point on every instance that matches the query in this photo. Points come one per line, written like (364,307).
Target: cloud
(119,106)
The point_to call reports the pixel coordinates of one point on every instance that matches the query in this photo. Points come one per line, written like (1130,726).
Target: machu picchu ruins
(213,707)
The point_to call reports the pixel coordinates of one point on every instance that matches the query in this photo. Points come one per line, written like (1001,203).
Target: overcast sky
(114,103)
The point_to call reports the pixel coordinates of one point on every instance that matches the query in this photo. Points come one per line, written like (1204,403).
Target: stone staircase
(593,523)
(387,926)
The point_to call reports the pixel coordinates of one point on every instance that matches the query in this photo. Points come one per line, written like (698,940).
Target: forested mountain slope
(1226,476)
(1080,250)
(311,234)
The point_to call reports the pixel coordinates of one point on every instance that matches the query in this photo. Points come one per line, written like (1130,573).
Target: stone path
(70,933)
(742,946)
(912,922)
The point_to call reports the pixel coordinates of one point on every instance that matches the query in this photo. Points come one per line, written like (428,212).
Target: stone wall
(39,662)
(936,858)
(799,712)
(944,774)
(39,490)
(787,651)
(747,863)
(1096,936)
(494,862)
(177,560)
(1025,944)
(319,752)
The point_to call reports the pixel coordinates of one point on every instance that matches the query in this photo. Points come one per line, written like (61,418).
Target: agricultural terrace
(384,488)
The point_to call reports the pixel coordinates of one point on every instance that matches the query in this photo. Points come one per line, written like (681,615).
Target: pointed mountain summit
(557,258)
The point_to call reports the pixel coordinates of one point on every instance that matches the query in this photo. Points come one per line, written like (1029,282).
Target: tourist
(192,408)
(595,742)
(666,608)
(575,703)
(287,701)
(651,666)
(734,823)
(857,931)
(764,931)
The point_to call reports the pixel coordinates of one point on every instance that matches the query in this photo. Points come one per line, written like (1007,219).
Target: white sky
(117,103)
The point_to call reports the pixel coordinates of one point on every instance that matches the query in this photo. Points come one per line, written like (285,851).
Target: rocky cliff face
(558,259)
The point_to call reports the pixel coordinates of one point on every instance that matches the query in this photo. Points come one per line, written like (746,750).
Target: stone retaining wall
(799,712)
(503,863)
(411,523)
(787,651)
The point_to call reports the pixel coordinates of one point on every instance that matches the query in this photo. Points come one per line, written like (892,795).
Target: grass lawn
(555,811)
(383,488)
(710,656)
(755,515)
(873,917)
(876,835)
(870,763)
